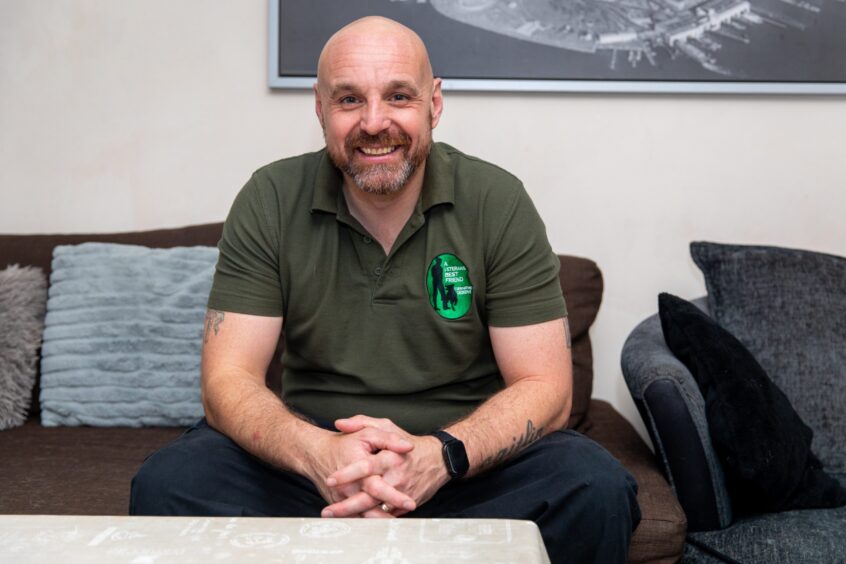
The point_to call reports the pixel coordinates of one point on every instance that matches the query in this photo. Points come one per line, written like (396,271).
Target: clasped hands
(372,462)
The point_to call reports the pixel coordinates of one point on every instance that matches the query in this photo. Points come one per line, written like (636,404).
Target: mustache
(383,138)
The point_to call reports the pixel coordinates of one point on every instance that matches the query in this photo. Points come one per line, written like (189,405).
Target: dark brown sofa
(86,471)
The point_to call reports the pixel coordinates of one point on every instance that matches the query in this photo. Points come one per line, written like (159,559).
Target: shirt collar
(438,185)
(327,186)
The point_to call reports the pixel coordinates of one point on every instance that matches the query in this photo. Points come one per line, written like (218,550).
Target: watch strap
(443,436)
(455,456)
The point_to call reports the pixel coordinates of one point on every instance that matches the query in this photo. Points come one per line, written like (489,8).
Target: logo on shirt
(448,286)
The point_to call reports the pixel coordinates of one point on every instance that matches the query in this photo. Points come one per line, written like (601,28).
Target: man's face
(377,108)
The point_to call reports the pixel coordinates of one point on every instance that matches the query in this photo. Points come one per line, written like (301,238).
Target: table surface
(56,539)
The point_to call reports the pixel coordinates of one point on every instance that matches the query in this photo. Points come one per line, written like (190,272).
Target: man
(343,245)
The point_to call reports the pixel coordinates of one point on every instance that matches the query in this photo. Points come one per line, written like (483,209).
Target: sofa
(786,307)
(86,470)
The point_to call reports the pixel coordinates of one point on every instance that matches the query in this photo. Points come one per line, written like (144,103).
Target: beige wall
(152,113)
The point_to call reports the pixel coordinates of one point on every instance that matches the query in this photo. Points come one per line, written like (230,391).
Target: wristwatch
(455,457)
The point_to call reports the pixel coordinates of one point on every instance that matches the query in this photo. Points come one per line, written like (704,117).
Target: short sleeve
(247,278)
(522,271)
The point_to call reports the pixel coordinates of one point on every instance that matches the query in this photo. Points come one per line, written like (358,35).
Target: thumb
(350,425)
(383,440)
(379,438)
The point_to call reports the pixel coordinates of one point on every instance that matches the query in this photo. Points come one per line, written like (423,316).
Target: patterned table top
(58,539)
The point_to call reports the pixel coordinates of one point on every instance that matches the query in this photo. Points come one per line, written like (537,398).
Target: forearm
(511,420)
(237,350)
(253,416)
(536,366)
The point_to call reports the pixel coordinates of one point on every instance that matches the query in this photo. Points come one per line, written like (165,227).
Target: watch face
(456,458)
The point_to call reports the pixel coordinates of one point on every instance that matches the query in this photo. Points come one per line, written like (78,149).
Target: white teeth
(376,150)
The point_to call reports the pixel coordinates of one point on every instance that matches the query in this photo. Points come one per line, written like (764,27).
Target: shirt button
(367,240)
(378,271)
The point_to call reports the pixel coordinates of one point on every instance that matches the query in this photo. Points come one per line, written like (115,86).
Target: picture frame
(687,46)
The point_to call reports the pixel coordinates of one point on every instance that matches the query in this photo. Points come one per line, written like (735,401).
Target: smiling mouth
(377,151)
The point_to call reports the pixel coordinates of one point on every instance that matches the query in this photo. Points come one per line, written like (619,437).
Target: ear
(318,106)
(436,106)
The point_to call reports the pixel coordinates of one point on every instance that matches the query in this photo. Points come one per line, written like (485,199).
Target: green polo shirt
(402,335)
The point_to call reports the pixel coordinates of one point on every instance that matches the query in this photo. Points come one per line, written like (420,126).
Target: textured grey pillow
(23,296)
(123,335)
(788,307)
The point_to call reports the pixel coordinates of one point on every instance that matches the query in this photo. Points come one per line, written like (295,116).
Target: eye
(398,97)
(348,100)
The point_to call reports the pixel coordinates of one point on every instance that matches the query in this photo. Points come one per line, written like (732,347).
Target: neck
(384,215)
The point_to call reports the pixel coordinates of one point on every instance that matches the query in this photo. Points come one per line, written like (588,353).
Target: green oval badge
(448,286)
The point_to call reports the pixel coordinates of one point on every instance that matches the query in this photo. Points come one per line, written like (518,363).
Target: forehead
(367,62)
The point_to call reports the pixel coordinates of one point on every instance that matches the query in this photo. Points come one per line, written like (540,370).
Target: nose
(374,117)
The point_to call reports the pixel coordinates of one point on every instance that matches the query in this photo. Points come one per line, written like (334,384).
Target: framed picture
(663,46)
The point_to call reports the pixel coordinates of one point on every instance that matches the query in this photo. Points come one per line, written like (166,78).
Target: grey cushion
(23,296)
(123,335)
(788,307)
(799,537)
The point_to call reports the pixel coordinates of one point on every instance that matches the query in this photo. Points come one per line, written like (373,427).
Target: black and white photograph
(541,42)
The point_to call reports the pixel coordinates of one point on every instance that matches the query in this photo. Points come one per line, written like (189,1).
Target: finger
(351,507)
(355,423)
(380,490)
(377,513)
(392,440)
(343,492)
(349,425)
(358,422)
(382,440)
(358,470)
(374,465)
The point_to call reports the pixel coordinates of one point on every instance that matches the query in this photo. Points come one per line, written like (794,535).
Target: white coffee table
(60,539)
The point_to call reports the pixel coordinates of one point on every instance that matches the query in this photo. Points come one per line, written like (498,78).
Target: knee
(609,513)
(594,482)
(170,477)
(590,508)
(141,490)
(612,494)
(155,482)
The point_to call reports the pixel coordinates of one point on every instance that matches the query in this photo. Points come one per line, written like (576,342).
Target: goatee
(385,178)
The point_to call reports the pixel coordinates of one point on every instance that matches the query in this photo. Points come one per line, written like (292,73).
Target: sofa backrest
(582,284)
(581,281)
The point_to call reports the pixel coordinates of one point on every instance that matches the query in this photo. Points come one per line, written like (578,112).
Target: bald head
(382,40)
(377,103)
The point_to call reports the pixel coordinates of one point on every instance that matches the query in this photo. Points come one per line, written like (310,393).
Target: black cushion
(761,441)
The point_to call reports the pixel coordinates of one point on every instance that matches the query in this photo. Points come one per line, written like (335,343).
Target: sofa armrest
(660,536)
(673,411)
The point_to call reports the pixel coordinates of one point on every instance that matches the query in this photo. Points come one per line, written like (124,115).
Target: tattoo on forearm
(517,444)
(213,320)
(567,333)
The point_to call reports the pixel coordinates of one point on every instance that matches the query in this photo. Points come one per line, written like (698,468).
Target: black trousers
(580,496)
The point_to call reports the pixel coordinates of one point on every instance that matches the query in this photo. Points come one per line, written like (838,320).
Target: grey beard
(381,179)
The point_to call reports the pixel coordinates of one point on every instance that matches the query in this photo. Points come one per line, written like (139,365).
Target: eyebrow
(402,85)
(343,87)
